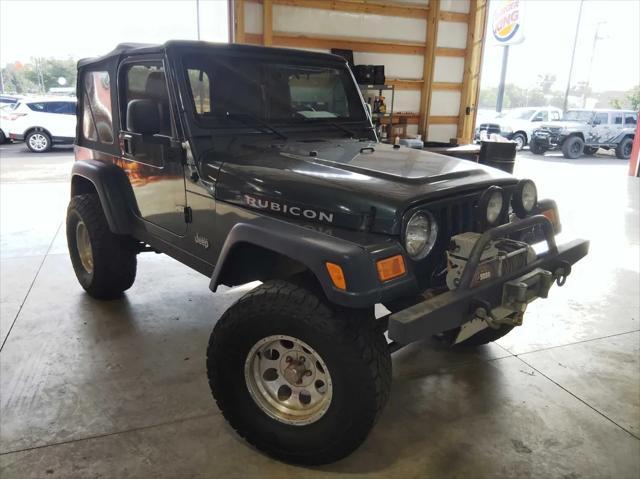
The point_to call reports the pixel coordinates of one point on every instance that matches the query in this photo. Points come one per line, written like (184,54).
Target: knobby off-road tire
(573,147)
(535,148)
(105,263)
(623,150)
(350,346)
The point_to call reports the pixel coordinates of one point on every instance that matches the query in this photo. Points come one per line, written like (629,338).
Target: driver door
(155,168)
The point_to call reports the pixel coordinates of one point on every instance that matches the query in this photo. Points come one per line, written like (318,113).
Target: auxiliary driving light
(492,204)
(525,198)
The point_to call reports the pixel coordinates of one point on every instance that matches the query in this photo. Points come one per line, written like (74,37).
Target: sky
(86,28)
(549,30)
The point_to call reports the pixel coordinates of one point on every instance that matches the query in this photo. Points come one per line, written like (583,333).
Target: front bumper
(547,140)
(454,308)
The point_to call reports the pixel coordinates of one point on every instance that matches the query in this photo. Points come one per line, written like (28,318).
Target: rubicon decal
(295,210)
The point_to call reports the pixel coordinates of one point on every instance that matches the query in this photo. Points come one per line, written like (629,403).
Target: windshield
(519,114)
(225,89)
(577,115)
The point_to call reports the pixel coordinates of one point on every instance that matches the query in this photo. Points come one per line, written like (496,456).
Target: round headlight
(420,235)
(492,202)
(525,198)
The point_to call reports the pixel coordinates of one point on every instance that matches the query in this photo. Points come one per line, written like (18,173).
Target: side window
(39,107)
(601,119)
(555,115)
(60,108)
(630,119)
(541,116)
(146,81)
(616,118)
(201,90)
(97,118)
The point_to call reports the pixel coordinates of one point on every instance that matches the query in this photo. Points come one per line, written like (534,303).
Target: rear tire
(38,141)
(297,323)
(535,148)
(573,147)
(105,263)
(623,150)
(3,137)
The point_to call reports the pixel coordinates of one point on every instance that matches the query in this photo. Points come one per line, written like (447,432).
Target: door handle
(127,144)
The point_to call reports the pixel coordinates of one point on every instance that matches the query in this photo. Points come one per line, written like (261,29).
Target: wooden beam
(454,17)
(401,84)
(267,23)
(471,76)
(238,20)
(348,43)
(377,7)
(442,120)
(428,66)
(451,52)
(452,86)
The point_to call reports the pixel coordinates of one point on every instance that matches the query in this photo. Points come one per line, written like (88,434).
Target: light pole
(198,17)
(596,37)
(573,55)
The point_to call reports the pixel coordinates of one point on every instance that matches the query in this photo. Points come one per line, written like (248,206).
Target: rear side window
(41,107)
(631,119)
(617,118)
(97,118)
(602,118)
(555,115)
(61,107)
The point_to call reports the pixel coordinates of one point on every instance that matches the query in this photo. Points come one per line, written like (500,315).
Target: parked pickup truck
(518,124)
(261,164)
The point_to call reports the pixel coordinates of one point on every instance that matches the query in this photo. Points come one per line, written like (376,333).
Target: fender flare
(623,135)
(313,249)
(114,190)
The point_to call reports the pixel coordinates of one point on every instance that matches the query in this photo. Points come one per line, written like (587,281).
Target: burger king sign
(507,22)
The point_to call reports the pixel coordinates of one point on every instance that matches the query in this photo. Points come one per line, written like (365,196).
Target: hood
(571,125)
(347,183)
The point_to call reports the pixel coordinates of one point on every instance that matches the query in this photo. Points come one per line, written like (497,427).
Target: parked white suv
(42,122)
(518,124)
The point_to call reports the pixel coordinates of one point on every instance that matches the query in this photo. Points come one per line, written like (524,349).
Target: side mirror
(143,117)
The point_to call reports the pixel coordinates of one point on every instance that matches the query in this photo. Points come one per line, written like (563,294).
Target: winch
(499,258)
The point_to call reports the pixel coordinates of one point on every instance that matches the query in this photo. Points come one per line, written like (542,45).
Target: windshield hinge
(188,215)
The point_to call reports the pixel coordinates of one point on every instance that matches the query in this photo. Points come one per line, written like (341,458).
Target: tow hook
(483,312)
(561,273)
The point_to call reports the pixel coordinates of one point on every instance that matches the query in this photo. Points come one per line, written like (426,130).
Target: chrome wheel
(38,142)
(288,380)
(519,142)
(83,244)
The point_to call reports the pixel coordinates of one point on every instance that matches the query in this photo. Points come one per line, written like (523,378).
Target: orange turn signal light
(337,275)
(390,268)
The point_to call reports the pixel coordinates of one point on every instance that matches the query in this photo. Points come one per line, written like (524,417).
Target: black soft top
(190,46)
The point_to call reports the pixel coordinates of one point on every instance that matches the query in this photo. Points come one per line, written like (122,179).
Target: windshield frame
(193,118)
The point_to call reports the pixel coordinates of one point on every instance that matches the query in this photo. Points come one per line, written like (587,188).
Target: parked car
(249,163)
(5,112)
(43,122)
(584,131)
(518,124)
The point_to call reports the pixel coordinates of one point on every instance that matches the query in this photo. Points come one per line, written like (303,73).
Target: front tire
(573,147)
(623,150)
(38,141)
(105,263)
(521,141)
(535,148)
(300,380)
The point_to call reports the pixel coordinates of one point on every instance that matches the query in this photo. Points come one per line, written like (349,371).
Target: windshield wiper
(349,132)
(244,117)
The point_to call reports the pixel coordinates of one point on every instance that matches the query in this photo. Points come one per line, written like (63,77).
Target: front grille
(490,128)
(454,216)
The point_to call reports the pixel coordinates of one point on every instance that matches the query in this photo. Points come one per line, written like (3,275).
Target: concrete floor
(118,389)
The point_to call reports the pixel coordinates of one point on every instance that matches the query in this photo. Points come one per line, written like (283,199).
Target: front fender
(113,188)
(313,249)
